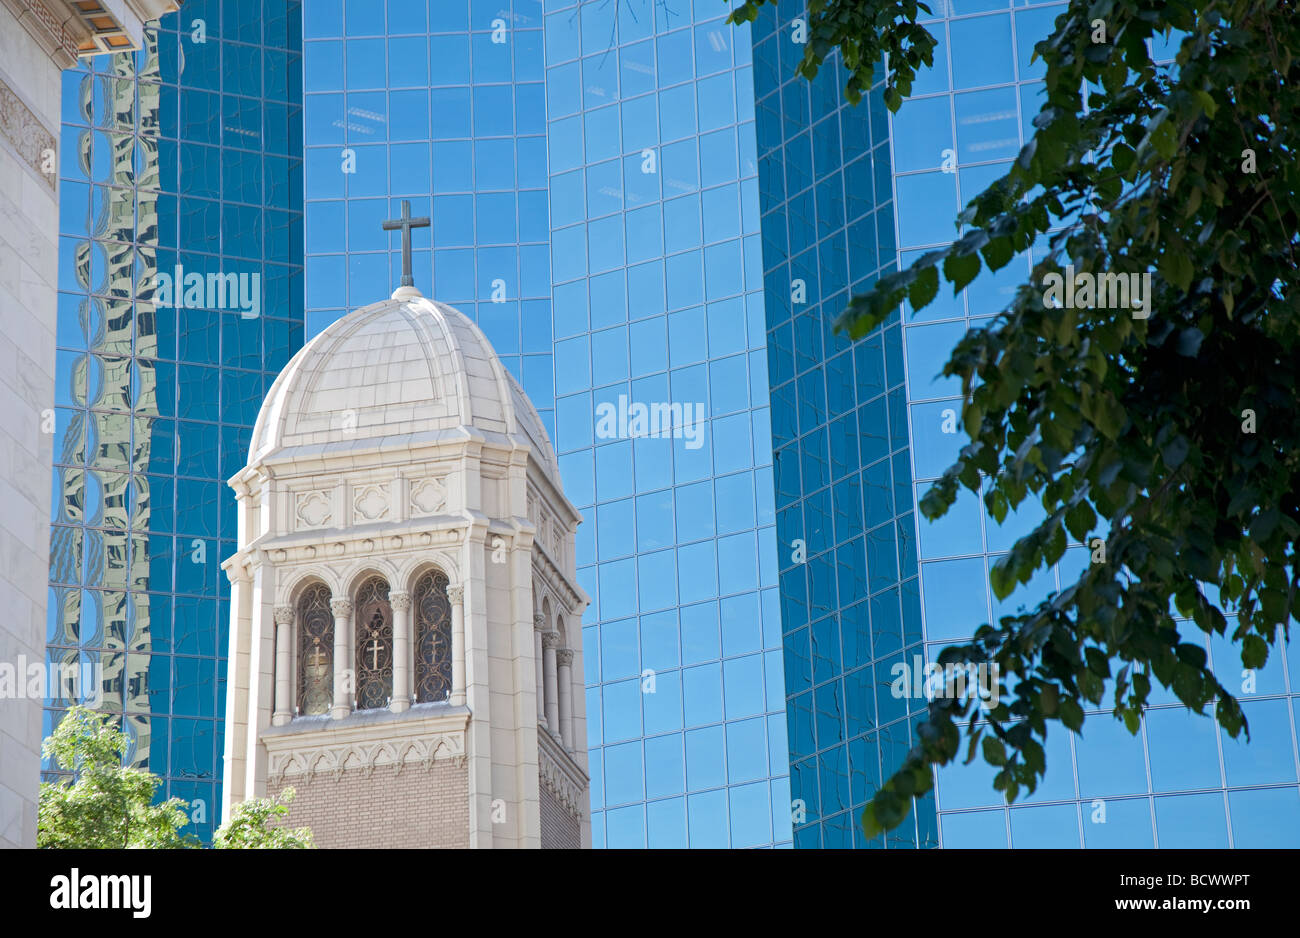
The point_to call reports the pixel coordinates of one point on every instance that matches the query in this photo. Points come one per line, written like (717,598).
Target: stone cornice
(557,500)
(153,9)
(312,746)
(66,30)
(315,546)
(305,459)
(57,33)
(561,776)
(556,578)
(239,566)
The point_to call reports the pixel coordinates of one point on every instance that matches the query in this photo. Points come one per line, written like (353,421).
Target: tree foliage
(1168,443)
(247,827)
(106,805)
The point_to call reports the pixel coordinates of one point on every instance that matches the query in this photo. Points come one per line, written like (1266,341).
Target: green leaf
(1121,157)
(1163,138)
(1071,714)
(1002,577)
(1079,520)
(1254,651)
(998,253)
(960,269)
(1050,700)
(994,752)
(1175,451)
(1176,267)
(1109,416)
(1192,654)
(923,288)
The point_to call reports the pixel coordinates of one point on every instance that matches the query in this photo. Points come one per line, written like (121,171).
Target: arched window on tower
(315,651)
(432,638)
(374,652)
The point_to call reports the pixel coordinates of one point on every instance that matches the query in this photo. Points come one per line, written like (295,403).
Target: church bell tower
(405,635)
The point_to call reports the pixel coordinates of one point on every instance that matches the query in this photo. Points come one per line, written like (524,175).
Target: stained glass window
(432,638)
(315,651)
(374,629)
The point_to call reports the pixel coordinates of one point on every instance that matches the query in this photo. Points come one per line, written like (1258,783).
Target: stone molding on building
(427,497)
(51,31)
(567,591)
(313,509)
(371,503)
(560,775)
(23,131)
(67,29)
(294,751)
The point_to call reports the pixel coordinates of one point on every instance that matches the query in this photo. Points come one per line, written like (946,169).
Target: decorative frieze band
(333,761)
(30,138)
(370,502)
(559,776)
(44,26)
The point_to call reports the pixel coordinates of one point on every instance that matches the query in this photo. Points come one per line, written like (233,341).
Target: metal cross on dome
(405,224)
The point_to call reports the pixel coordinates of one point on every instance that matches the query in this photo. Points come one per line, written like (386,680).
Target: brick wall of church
(559,827)
(416,808)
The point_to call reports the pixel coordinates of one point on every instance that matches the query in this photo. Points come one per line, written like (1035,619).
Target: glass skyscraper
(656,266)
(848,557)
(183,161)
(590,172)
(1180,782)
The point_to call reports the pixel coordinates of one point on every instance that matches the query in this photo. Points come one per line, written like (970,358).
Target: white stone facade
(38,38)
(396,444)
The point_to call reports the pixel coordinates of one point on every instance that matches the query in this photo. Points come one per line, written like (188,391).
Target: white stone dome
(406,367)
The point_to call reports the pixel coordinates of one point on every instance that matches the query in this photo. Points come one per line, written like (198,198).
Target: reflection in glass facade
(1180,782)
(590,172)
(442,104)
(657,289)
(183,158)
(849,588)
